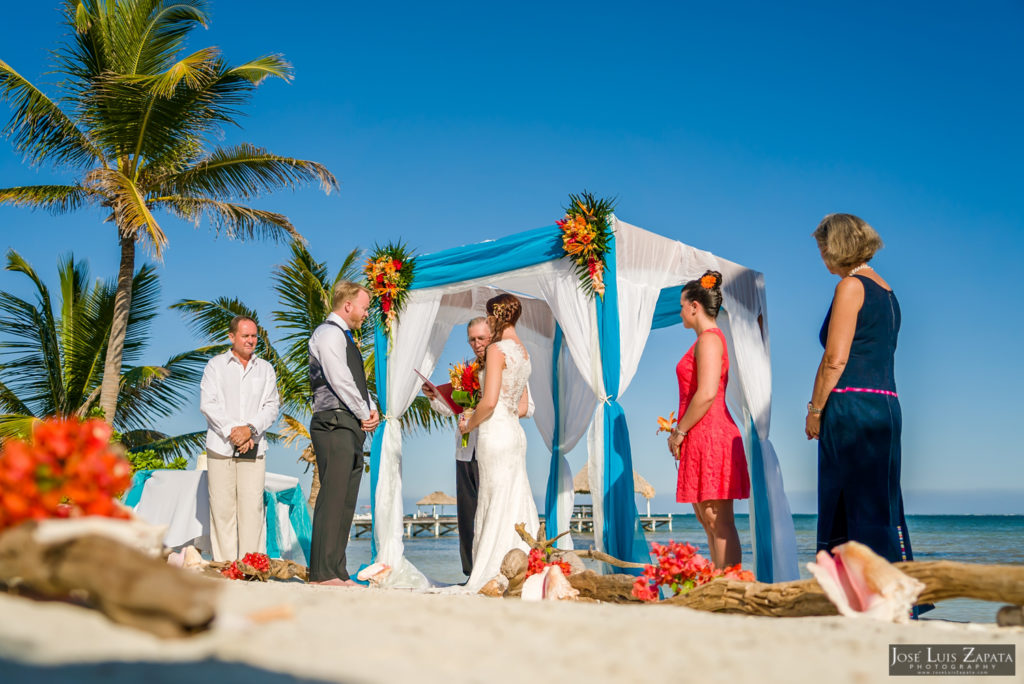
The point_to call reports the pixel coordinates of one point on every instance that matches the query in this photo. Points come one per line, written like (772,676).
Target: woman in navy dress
(854,410)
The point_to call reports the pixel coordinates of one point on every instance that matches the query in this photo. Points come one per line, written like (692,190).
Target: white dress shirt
(327,345)
(465,453)
(230,396)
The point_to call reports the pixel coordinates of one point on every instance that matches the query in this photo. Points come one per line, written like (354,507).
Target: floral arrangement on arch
(681,568)
(389,274)
(66,470)
(586,232)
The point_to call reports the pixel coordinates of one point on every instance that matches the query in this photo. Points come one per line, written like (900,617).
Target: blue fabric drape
(380,368)
(666,310)
(623,535)
(298,516)
(488,258)
(139,479)
(554,472)
(761,531)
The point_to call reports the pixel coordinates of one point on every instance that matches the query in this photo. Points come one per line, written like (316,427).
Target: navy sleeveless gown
(859,493)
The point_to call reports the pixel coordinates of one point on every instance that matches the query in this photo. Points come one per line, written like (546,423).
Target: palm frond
(293,430)
(235,220)
(163,33)
(246,171)
(257,70)
(165,446)
(422,417)
(39,129)
(131,213)
(16,425)
(56,199)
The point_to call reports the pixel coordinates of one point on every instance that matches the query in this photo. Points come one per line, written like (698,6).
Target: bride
(504,495)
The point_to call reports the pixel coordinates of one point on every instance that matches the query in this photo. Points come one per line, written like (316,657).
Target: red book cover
(445,391)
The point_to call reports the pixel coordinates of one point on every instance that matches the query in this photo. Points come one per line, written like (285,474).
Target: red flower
(232,572)
(397,264)
(259,561)
(385,303)
(380,278)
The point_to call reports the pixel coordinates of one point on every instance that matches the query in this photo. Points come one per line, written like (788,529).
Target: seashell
(549,584)
(376,574)
(494,588)
(863,584)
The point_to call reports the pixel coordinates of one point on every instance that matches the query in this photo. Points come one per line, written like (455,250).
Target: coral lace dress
(712,464)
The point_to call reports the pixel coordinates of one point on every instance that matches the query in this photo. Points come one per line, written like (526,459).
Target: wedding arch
(585,350)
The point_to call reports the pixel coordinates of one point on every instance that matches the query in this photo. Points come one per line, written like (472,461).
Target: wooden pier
(448,525)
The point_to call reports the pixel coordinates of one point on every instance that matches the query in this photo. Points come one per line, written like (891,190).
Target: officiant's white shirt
(465,453)
(230,396)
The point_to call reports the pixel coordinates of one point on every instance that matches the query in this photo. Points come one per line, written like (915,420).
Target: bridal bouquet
(465,378)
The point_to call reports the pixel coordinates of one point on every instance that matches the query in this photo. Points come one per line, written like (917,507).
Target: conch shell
(549,584)
(376,574)
(863,584)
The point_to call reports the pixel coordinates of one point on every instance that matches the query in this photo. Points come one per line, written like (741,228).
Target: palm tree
(51,354)
(132,125)
(303,286)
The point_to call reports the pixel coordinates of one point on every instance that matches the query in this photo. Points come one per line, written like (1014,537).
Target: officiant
(467,473)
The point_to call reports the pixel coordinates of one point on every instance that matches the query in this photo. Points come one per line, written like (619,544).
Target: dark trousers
(467,487)
(338,443)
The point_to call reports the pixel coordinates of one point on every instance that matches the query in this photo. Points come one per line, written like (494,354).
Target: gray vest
(324,398)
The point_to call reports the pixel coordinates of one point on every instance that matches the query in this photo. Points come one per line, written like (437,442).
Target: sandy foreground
(366,635)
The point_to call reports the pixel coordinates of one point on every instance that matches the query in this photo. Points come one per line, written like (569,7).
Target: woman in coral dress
(706,441)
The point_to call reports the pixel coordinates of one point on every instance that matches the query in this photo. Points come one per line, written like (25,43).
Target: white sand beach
(368,635)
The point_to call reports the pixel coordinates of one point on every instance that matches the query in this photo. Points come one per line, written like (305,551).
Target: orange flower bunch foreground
(465,376)
(681,568)
(66,470)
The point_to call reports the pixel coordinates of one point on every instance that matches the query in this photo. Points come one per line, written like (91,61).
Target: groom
(342,415)
(467,472)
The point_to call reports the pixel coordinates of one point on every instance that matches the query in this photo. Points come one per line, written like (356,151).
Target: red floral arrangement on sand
(465,378)
(256,561)
(389,272)
(538,560)
(681,568)
(66,470)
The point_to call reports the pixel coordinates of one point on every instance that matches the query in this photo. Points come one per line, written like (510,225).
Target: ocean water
(963,538)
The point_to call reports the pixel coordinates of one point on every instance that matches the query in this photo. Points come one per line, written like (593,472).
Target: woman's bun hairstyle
(502,312)
(706,291)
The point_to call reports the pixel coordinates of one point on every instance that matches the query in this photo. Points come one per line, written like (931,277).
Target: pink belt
(865,389)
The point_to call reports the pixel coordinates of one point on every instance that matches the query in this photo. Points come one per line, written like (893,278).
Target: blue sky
(733,127)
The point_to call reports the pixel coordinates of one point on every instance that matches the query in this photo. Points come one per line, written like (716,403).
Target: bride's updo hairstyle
(502,312)
(706,291)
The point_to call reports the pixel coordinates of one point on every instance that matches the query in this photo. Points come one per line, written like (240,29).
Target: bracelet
(812,410)
(678,433)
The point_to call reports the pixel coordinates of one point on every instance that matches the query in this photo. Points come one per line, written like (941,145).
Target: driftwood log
(942,579)
(126,585)
(280,569)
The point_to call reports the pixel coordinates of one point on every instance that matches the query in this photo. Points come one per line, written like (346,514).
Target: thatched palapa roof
(581,483)
(437,499)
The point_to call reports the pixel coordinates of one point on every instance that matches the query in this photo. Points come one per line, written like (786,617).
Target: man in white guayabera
(467,472)
(238,396)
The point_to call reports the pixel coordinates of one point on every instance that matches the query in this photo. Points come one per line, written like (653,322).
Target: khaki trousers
(237,515)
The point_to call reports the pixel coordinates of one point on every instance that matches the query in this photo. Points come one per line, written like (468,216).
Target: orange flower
(708,281)
(666,424)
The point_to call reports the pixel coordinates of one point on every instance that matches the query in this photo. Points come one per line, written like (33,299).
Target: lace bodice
(514,377)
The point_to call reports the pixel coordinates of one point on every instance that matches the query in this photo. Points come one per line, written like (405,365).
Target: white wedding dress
(504,497)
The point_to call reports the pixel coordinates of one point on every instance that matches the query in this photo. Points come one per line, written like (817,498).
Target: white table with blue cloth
(180,500)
